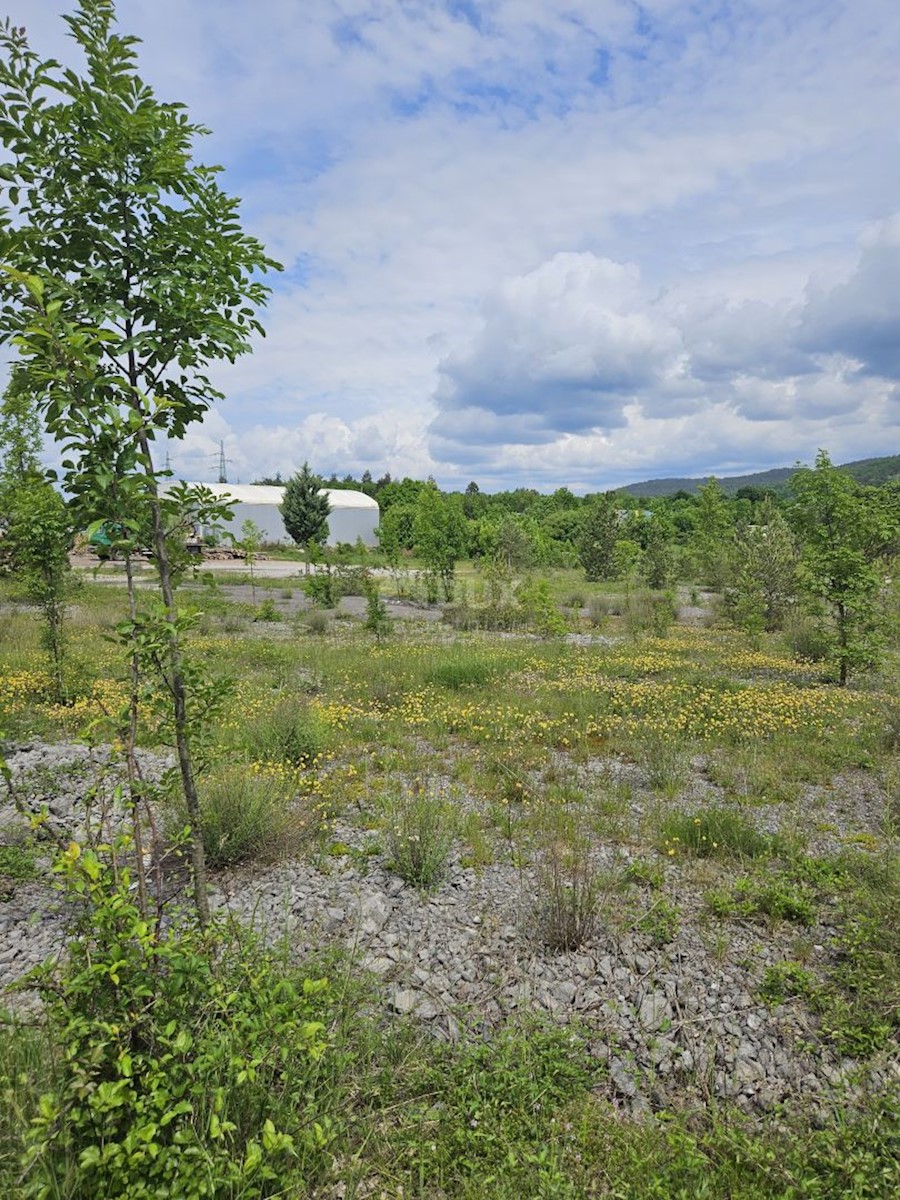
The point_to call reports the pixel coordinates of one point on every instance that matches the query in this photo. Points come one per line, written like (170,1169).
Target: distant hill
(873,471)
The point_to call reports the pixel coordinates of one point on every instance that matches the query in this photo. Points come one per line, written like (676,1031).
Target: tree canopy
(305,507)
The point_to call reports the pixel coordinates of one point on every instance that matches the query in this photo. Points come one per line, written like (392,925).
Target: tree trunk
(179,703)
(134,779)
(176,677)
(843,640)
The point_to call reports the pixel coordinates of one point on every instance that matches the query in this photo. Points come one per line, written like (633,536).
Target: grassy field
(657,784)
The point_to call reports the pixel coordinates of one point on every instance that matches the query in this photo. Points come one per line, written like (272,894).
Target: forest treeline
(616,534)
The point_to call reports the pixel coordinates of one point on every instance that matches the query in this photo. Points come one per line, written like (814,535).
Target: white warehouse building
(353,514)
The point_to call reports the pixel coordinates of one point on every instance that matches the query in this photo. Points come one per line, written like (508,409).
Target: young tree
(514,544)
(250,542)
(599,533)
(305,508)
(20,437)
(659,557)
(439,530)
(128,274)
(765,570)
(846,533)
(35,550)
(711,541)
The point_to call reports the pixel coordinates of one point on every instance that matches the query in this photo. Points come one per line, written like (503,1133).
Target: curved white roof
(258,493)
(344,498)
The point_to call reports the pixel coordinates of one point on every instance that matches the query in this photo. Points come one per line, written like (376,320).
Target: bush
(806,639)
(539,609)
(244,816)
(267,611)
(605,604)
(327,586)
(376,610)
(320,589)
(502,616)
(182,1054)
(650,612)
(316,621)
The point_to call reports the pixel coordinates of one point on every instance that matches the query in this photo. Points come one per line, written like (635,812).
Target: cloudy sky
(548,242)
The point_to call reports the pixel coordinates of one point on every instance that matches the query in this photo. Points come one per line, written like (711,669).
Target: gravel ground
(675,1023)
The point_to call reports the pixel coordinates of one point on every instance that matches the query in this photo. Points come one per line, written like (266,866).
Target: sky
(547,243)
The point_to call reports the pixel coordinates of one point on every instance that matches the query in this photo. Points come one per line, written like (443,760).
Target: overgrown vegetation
(644,784)
(549,744)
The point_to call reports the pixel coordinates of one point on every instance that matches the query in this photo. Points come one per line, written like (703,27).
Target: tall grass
(463,668)
(289,731)
(247,815)
(714,833)
(568,895)
(420,827)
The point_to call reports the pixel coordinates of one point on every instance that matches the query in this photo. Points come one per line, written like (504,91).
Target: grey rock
(404,1000)
(622,1077)
(564,991)
(654,1011)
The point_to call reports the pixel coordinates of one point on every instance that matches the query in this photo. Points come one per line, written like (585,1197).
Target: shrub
(183,1053)
(320,589)
(245,815)
(598,611)
(267,611)
(316,621)
(376,610)
(649,612)
(420,827)
(335,580)
(501,616)
(806,639)
(539,609)
(605,604)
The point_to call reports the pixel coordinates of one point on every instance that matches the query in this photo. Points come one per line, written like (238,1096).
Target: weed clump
(462,670)
(714,833)
(662,757)
(290,732)
(566,910)
(245,815)
(420,827)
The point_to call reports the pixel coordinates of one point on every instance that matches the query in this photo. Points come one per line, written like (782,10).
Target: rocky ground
(675,1021)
